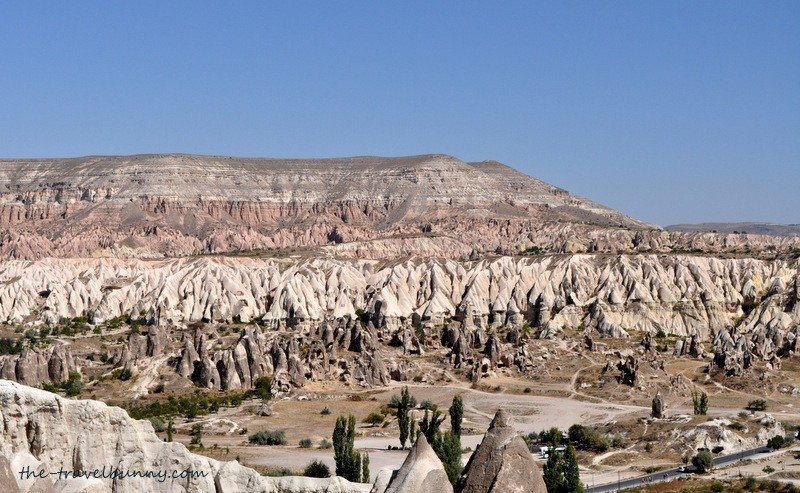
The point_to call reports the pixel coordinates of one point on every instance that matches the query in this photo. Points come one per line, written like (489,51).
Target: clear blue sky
(669,111)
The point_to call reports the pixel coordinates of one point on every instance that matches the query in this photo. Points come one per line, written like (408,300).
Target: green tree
(572,477)
(449,451)
(403,407)
(365,468)
(456,414)
(553,473)
(551,437)
(170,429)
(703,461)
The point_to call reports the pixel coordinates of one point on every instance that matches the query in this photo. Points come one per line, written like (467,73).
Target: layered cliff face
(155,205)
(170,205)
(44,431)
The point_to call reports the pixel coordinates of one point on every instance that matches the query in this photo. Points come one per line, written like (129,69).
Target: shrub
(159,388)
(757,405)
(374,419)
(325,444)
(125,374)
(267,437)
(325,411)
(261,388)
(73,386)
(768,469)
(305,443)
(316,469)
(428,405)
(197,434)
(158,424)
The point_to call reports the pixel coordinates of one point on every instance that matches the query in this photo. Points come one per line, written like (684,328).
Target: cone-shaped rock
(421,472)
(502,463)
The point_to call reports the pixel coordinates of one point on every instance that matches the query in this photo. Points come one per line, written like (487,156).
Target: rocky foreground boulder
(502,463)
(421,472)
(43,431)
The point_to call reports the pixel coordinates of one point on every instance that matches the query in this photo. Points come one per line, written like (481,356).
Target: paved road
(670,474)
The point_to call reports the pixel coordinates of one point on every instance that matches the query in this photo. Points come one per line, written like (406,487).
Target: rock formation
(340,350)
(502,463)
(658,407)
(34,366)
(684,296)
(150,206)
(44,430)
(421,472)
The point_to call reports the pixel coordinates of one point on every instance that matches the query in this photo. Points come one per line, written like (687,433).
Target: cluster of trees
(447,444)
(585,438)
(350,464)
(700,402)
(561,474)
(9,346)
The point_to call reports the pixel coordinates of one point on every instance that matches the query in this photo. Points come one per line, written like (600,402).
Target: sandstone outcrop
(421,472)
(81,435)
(502,463)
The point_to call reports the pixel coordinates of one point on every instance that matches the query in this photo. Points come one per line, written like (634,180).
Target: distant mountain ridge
(758,228)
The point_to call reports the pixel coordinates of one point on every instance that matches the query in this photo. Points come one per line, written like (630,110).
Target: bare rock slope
(45,431)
